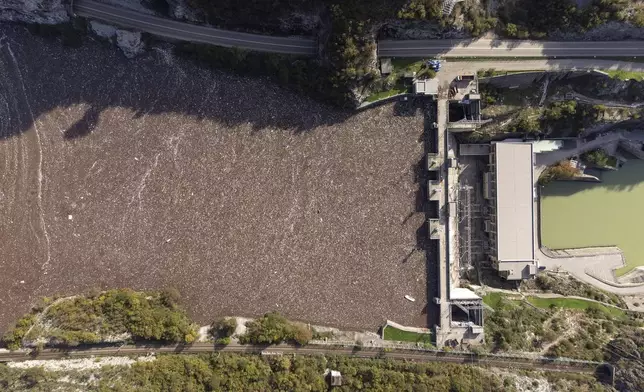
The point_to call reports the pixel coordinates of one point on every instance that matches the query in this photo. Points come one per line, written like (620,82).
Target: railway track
(515,362)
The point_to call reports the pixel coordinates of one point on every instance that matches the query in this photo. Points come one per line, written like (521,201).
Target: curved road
(188,32)
(173,29)
(505,48)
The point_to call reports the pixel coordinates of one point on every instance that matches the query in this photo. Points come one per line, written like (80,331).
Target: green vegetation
(397,82)
(560,171)
(386,94)
(90,319)
(599,158)
(221,330)
(492,299)
(421,9)
(237,373)
(625,352)
(526,122)
(525,19)
(574,303)
(260,16)
(567,285)
(273,328)
(625,75)
(514,325)
(493,72)
(561,118)
(13,337)
(562,114)
(402,65)
(558,327)
(391,333)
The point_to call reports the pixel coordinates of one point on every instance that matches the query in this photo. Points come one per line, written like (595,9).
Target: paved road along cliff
(189,32)
(503,48)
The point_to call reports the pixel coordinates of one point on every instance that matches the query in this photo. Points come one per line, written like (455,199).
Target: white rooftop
(426,86)
(514,201)
(539,146)
(462,294)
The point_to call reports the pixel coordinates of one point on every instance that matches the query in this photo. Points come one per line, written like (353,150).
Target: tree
(560,171)
(597,157)
(223,328)
(272,328)
(511,30)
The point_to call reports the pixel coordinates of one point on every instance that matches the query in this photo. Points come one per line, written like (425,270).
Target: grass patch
(574,303)
(625,75)
(492,299)
(493,72)
(396,334)
(386,94)
(401,65)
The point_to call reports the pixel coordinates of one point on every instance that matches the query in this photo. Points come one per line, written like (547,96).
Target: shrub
(426,73)
(597,157)
(223,328)
(142,315)
(13,337)
(560,171)
(272,328)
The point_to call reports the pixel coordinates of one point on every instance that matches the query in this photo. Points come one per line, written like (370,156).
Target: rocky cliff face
(178,9)
(128,41)
(34,11)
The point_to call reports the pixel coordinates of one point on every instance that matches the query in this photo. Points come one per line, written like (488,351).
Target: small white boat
(410,298)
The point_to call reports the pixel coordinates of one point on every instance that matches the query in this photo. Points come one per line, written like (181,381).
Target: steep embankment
(34,11)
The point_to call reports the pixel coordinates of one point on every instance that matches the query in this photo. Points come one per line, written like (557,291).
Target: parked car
(434,65)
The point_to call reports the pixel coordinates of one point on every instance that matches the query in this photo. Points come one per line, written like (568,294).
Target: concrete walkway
(552,157)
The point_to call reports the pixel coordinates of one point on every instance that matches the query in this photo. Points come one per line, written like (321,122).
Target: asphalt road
(188,32)
(409,355)
(386,48)
(498,48)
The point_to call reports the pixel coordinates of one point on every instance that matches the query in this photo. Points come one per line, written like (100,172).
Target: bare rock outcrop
(48,12)
(129,42)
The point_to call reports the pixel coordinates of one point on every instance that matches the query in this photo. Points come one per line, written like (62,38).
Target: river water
(575,214)
(152,172)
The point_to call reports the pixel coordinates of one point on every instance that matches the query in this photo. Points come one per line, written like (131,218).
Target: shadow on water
(98,76)
(431,247)
(626,179)
(84,126)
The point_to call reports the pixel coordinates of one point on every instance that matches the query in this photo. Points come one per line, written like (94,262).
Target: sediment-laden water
(575,214)
(151,172)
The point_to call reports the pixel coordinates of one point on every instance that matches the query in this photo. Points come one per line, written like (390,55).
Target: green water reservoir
(576,214)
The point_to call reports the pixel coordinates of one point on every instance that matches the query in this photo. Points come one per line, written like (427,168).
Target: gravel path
(147,173)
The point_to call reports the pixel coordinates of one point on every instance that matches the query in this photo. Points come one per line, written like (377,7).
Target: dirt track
(149,173)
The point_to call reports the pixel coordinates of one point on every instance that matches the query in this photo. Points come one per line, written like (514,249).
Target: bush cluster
(273,328)
(90,319)
(525,19)
(560,171)
(233,372)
